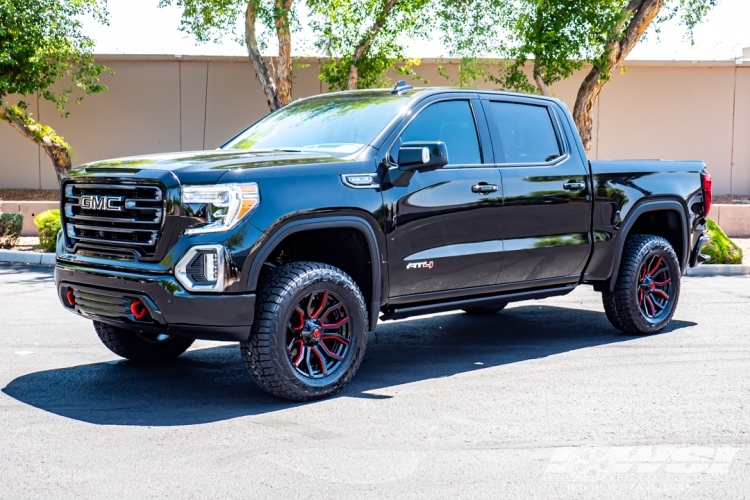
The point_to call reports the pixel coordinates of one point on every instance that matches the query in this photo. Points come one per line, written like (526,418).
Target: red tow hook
(138,309)
(71,297)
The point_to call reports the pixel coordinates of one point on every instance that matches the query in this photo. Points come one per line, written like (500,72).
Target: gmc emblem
(95,202)
(420,265)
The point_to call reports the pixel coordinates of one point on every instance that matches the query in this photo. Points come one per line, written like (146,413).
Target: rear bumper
(107,296)
(696,257)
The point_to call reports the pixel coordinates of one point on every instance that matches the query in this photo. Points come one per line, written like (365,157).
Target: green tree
(41,45)
(622,33)
(559,37)
(211,19)
(363,38)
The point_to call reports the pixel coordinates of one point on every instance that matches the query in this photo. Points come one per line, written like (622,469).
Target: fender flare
(334,221)
(635,213)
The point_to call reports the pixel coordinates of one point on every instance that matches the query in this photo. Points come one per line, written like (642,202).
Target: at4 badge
(420,265)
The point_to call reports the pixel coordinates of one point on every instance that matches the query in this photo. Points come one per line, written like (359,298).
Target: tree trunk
(539,80)
(364,44)
(638,15)
(54,146)
(284,63)
(262,73)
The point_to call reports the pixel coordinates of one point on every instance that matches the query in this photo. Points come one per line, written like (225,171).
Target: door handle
(574,186)
(483,188)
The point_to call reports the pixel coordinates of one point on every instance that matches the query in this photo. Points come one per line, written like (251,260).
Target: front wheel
(309,334)
(647,287)
(136,346)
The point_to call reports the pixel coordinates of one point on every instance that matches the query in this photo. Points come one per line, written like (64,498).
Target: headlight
(221,205)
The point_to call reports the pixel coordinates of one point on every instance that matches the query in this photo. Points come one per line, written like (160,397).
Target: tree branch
(54,146)
(640,13)
(261,70)
(365,43)
(284,66)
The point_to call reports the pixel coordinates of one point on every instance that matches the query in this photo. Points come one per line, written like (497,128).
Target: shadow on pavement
(24,274)
(209,385)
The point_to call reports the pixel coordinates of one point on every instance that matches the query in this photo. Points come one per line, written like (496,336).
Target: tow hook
(138,309)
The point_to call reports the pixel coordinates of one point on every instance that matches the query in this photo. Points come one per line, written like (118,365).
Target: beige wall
(154,104)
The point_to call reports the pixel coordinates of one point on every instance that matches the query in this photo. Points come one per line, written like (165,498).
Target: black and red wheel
(310,332)
(647,288)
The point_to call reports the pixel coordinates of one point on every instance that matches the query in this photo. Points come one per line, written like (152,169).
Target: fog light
(202,269)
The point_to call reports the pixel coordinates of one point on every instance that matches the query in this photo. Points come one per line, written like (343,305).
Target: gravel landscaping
(29,195)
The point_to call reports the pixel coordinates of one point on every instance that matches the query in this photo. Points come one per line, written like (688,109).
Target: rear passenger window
(451,122)
(526,133)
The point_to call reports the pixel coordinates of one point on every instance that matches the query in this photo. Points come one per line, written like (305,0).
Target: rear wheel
(309,334)
(647,288)
(486,310)
(137,346)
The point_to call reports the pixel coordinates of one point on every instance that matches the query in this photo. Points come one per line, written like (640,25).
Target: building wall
(154,104)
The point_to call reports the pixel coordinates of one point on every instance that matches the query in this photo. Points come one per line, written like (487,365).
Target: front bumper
(107,296)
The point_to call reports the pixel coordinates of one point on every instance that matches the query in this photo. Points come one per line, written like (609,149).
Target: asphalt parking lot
(545,400)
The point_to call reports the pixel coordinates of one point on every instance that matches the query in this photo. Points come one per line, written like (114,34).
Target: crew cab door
(545,218)
(440,230)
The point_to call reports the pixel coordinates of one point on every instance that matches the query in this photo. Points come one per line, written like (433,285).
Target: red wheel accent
(320,307)
(653,296)
(335,325)
(316,353)
(301,320)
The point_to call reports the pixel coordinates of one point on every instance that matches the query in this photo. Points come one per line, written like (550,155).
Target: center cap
(316,334)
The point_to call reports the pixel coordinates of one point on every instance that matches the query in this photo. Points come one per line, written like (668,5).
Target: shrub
(721,249)
(10,229)
(48,225)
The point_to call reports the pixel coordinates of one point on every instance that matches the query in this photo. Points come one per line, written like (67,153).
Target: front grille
(113,219)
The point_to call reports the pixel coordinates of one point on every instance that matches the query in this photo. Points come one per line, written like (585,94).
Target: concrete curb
(718,270)
(16,257)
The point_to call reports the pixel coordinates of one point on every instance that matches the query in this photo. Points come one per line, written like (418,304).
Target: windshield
(336,124)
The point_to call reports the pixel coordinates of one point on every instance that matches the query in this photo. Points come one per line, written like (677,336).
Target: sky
(139,27)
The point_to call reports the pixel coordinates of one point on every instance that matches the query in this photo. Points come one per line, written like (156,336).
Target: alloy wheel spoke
(338,324)
(328,312)
(319,355)
(301,315)
(650,304)
(336,337)
(323,301)
(330,353)
(656,267)
(661,293)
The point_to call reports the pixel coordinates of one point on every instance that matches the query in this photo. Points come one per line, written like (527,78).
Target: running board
(418,310)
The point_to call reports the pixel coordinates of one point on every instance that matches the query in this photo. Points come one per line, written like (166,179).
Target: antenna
(401,87)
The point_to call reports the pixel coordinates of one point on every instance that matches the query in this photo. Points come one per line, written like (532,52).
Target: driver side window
(451,122)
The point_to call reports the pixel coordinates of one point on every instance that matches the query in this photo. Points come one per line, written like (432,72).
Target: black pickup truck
(295,236)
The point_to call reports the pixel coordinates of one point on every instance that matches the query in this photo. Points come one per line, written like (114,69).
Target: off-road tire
(486,310)
(265,353)
(622,305)
(137,347)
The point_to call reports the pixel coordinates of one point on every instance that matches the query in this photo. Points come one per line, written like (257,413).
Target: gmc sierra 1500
(299,233)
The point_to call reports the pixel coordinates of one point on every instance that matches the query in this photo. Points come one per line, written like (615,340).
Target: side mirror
(422,156)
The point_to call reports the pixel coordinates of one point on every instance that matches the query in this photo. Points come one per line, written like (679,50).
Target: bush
(48,225)
(720,248)
(10,229)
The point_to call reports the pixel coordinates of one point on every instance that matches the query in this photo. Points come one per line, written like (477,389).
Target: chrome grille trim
(114,219)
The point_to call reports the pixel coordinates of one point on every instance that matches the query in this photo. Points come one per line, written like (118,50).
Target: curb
(16,257)
(718,270)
